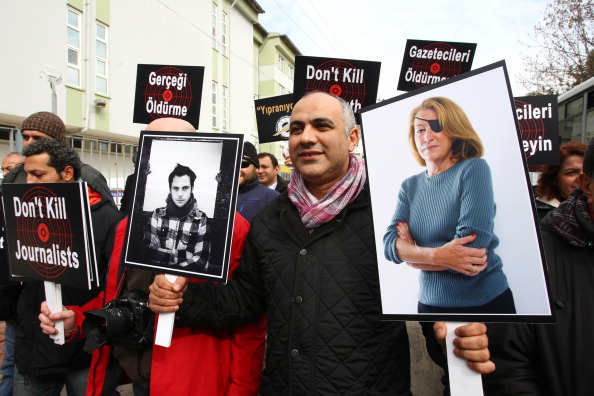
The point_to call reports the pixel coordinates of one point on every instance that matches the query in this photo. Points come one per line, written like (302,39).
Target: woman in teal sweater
(443,224)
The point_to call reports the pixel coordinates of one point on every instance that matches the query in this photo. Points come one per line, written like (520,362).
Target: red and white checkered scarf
(340,195)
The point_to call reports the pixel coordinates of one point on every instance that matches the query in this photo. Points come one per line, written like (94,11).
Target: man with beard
(179,233)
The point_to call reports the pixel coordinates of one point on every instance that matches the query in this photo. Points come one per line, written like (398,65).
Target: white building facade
(94,46)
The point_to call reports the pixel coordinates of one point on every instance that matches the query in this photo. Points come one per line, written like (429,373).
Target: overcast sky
(377,30)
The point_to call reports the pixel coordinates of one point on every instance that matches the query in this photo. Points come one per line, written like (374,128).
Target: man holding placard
(44,367)
(311,265)
(200,360)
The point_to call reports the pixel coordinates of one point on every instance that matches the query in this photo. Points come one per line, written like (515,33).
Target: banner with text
(272,116)
(168,91)
(539,124)
(48,233)
(428,62)
(355,81)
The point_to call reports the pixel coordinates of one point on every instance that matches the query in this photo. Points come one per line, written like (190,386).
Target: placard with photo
(184,203)
(453,211)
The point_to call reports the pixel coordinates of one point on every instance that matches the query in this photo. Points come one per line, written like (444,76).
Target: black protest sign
(539,126)
(4,268)
(427,62)
(47,233)
(168,91)
(355,81)
(273,116)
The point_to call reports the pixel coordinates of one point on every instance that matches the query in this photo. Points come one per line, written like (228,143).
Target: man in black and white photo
(179,233)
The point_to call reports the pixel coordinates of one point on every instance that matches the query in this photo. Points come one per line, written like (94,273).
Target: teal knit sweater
(439,208)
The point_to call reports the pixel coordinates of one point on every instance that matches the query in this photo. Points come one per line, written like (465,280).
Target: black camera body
(126,321)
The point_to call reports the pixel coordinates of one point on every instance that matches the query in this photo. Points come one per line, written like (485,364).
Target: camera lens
(102,325)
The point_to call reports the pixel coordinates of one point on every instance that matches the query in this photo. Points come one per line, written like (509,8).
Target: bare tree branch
(564,39)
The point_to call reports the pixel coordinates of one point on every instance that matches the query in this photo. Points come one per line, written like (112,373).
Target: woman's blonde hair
(454,123)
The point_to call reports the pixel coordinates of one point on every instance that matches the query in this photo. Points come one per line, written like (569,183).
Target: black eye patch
(434,124)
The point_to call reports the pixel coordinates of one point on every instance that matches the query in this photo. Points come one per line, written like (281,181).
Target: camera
(126,321)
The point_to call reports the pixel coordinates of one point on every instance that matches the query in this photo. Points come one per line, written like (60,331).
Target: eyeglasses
(244,164)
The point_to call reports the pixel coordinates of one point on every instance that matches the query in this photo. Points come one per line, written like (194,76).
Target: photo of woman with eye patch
(443,224)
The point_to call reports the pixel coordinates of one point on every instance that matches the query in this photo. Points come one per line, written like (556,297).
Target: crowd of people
(303,291)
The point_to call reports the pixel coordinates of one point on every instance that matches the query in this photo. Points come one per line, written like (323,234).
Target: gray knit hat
(47,123)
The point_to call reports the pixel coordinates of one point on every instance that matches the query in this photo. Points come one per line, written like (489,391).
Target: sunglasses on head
(434,124)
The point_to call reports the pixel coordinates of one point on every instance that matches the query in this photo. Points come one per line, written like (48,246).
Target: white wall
(32,33)
(149,32)
(241,75)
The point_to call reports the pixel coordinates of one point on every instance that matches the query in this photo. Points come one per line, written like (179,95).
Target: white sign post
(53,297)
(463,380)
(165,325)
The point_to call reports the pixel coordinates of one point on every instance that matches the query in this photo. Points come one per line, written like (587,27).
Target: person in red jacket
(205,360)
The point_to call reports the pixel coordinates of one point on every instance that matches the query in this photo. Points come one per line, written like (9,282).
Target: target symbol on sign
(335,90)
(45,233)
(338,83)
(531,129)
(172,95)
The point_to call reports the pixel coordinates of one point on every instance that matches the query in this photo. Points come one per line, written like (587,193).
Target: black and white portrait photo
(183,209)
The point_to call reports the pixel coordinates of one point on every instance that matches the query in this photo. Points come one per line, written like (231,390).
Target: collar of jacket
(248,186)
(291,221)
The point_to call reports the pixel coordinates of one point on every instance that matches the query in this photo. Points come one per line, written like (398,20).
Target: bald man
(199,361)
(11,161)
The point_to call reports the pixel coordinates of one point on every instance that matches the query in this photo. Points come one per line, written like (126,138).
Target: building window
(214,104)
(101,59)
(291,71)
(281,63)
(213,31)
(281,90)
(224,33)
(73,45)
(224,109)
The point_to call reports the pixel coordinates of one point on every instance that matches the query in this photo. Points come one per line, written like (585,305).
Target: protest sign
(168,91)
(355,81)
(184,204)
(428,62)
(457,141)
(539,125)
(48,233)
(272,117)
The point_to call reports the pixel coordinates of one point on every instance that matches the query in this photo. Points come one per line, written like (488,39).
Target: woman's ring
(472,270)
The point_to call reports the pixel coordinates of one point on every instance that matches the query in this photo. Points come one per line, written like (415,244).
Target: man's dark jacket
(252,197)
(320,291)
(35,352)
(281,184)
(553,359)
